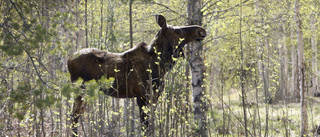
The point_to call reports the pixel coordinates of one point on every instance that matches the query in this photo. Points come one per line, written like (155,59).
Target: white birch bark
(197,72)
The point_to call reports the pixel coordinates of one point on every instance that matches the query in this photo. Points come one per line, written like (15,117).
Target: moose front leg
(78,109)
(143,116)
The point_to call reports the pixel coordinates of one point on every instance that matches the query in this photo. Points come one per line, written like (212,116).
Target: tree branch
(207,8)
(162,5)
(20,14)
(31,58)
(226,10)
(218,37)
(37,72)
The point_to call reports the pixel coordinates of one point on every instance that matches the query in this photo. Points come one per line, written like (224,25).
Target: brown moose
(138,72)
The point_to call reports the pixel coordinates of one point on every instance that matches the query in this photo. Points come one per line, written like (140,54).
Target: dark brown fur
(134,69)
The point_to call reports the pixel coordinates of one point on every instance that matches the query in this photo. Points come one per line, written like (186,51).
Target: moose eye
(202,34)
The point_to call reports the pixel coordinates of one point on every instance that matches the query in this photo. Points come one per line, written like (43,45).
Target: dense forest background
(261,70)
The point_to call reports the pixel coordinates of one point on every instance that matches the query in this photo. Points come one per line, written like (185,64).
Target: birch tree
(197,72)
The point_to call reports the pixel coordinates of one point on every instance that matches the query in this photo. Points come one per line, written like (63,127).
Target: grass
(277,119)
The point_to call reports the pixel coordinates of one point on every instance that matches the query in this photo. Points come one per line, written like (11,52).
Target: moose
(137,72)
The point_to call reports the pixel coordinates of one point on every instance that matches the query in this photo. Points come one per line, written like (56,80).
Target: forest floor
(277,119)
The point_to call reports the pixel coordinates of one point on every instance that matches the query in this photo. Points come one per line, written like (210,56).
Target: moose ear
(161,21)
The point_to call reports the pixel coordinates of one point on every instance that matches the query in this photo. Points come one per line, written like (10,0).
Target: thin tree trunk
(224,115)
(86,21)
(283,76)
(101,97)
(35,121)
(77,25)
(187,90)
(132,118)
(60,116)
(294,83)
(243,92)
(45,23)
(130,16)
(42,118)
(131,45)
(263,71)
(314,56)
(279,94)
(303,93)
(100,116)
(285,56)
(67,120)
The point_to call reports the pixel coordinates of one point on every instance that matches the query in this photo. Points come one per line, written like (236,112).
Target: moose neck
(162,59)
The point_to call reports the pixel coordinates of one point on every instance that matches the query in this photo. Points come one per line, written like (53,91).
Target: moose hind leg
(143,116)
(78,109)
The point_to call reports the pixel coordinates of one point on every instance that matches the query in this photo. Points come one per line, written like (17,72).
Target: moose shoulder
(93,63)
(137,71)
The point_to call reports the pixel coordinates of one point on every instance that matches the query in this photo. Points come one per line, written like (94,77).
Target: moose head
(168,37)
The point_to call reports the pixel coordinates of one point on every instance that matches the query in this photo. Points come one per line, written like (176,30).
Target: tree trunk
(261,42)
(197,72)
(86,22)
(314,56)
(131,45)
(200,106)
(283,73)
(242,78)
(130,19)
(263,71)
(285,56)
(303,93)
(294,83)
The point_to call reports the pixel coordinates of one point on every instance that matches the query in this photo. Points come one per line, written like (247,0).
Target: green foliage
(27,31)
(21,93)
(93,88)
(66,90)
(37,38)
(21,100)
